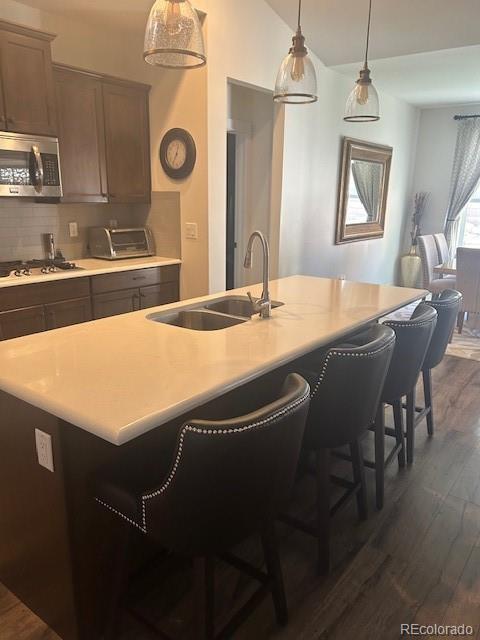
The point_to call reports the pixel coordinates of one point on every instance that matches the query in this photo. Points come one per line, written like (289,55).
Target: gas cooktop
(20,268)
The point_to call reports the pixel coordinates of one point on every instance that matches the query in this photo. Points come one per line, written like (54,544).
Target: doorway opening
(254,147)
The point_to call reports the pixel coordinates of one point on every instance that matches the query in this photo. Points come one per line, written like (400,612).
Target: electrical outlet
(342,276)
(73,228)
(43,443)
(113,224)
(191,229)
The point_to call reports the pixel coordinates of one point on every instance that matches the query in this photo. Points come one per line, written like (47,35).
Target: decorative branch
(420,203)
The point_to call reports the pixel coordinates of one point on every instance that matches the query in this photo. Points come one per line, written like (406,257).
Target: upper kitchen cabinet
(28,103)
(103,136)
(81,135)
(127,142)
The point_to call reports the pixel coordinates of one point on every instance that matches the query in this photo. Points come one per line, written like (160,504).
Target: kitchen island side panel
(35,557)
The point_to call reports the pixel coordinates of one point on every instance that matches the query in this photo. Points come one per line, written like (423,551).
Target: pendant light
(362,103)
(173,37)
(296,81)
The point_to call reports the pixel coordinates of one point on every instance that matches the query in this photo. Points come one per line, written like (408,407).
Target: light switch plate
(43,443)
(73,228)
(191,229)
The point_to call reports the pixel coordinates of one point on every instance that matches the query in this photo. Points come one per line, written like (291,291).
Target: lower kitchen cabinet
(116,293)
(68,312)
(32,308)
(115,303)
(22,322)
(158,294)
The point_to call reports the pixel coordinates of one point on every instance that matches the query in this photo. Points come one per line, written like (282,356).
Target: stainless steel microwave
(29,166)
(115,244)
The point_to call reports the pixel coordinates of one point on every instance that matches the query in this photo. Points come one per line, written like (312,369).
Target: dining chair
(468,282)
(226,481)
(430,259)
(442,247)
(444,255)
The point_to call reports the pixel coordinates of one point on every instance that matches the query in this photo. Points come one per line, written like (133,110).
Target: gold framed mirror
(363,190)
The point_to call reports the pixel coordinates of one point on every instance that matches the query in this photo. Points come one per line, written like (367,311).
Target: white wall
(434,161)
(311,153)
(310,192)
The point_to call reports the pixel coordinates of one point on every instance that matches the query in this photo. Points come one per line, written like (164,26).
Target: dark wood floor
(416,561)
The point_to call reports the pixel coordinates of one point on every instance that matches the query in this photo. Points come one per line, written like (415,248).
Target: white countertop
(91,267)
(120,377)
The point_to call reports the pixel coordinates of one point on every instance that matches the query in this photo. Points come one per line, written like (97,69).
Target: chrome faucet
(264,305)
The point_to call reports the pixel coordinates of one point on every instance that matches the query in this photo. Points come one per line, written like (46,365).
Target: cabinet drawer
(115,303)
(135,278)
(22,322)
(30,295)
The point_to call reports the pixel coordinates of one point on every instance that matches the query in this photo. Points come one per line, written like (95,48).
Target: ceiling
(127,15)
(433,79)
(335,29)
(426,52)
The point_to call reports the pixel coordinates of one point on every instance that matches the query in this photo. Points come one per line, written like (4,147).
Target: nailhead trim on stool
(214,432)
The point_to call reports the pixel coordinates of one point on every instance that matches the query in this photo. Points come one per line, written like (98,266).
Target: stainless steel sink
(197,319)
(236,306)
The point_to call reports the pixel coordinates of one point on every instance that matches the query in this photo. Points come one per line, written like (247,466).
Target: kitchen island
(119,388)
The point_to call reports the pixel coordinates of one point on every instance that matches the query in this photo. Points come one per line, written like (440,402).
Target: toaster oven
(117,244)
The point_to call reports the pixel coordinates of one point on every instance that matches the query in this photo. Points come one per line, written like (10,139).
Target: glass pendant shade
(296,80)
(173,37)
(362,103)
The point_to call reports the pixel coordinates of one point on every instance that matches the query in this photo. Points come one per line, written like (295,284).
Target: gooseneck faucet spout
(264,305)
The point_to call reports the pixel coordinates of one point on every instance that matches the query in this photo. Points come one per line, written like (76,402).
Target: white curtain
(465,176)
(368,181)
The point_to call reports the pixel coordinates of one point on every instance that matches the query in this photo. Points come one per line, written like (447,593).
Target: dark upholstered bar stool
(345,395)
(447,306)
(227,480)
(412,341)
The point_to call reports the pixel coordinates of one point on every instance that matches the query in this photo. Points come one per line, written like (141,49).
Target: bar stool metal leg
(399,431)
(380,455)
(410,426)
(427,387)
(359,477)
(323,510)
(204,569)
(274,570)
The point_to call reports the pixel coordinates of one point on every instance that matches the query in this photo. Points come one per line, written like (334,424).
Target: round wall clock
(178,154)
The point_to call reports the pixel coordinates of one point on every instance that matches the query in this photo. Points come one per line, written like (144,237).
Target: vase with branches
(419,205)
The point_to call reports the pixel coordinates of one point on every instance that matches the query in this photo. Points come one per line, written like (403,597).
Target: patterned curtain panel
(465,176)
(368,181)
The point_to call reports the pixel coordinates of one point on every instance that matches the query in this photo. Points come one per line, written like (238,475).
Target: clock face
(176,154)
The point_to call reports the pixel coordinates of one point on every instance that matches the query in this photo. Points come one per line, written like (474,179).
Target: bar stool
(412,341)
(345,395)
(447,306)
(227,481)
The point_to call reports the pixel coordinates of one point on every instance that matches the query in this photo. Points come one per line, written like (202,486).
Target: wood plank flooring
(417,561)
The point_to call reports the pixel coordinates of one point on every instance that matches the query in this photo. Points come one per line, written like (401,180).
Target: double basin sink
(221,313)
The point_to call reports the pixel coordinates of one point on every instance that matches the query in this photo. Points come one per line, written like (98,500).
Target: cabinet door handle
(140,277)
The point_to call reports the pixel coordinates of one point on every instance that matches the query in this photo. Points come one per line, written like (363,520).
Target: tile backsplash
(22,223)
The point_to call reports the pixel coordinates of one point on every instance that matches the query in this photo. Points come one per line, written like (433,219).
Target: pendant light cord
(368,32)
(300,12)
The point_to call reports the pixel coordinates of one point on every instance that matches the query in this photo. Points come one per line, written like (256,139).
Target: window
(469,232)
